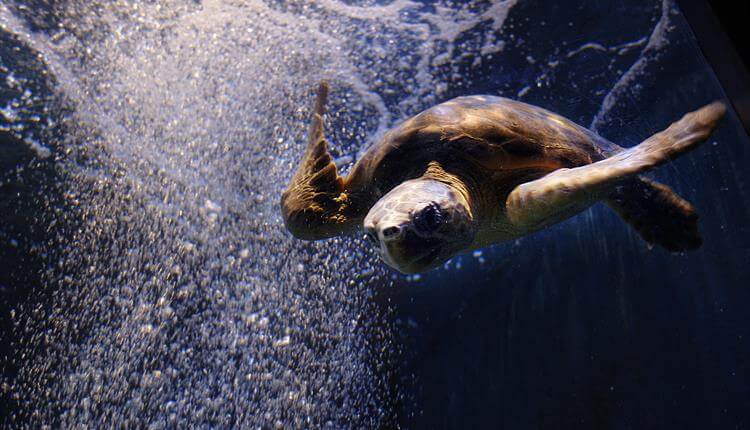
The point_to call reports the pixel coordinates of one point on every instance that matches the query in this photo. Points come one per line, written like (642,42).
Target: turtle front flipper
(316,204)
(565,192)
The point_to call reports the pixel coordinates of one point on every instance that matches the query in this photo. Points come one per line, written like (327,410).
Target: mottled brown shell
(479,132)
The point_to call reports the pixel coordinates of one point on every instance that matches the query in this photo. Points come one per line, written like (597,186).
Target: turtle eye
(428,219)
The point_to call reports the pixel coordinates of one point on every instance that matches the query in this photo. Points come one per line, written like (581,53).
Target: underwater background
(146,278)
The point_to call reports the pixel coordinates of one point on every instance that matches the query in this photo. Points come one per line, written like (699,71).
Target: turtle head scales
(420,224)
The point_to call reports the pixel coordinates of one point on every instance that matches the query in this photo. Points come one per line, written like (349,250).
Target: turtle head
(420,224)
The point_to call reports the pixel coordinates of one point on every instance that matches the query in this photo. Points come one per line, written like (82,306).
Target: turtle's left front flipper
(565,192)
(316,205)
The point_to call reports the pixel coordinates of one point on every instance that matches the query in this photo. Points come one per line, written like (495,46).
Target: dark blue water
(578,326)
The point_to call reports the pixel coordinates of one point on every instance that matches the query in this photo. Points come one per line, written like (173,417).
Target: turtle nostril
(391,232)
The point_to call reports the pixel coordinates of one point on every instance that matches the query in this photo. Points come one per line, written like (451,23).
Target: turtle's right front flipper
(316,204)
(564,192)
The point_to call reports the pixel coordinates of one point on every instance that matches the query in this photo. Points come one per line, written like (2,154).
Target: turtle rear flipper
(657,213)
(564,192)
(316,204)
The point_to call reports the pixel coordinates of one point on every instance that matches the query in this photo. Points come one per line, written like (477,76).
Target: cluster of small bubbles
(413,278)
(25,110)
(478,254)
(454,263)
(179,299)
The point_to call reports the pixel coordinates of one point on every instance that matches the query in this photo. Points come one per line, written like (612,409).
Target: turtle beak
(408,253)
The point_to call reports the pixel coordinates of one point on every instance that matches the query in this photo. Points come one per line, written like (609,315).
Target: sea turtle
(479,170)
